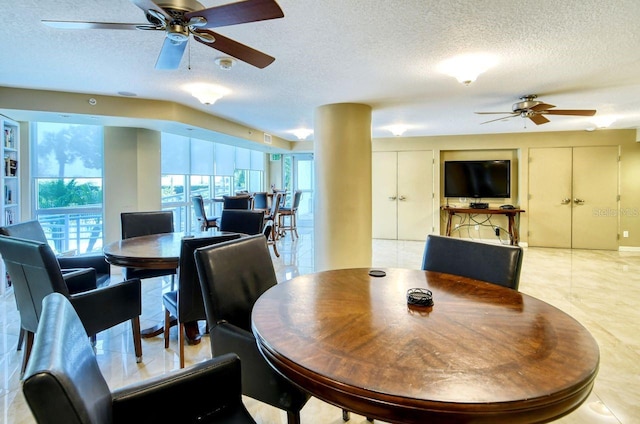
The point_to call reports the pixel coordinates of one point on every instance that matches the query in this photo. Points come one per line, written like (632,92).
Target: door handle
(392,197)
(402,198)
(565,201)
(578,201)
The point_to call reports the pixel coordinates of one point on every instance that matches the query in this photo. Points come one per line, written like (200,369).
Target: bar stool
(292,213)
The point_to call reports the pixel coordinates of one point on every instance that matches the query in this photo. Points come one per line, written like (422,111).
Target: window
(192,166)
(66,171)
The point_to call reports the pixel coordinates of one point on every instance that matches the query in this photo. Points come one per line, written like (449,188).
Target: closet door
(415,195)
(384,197)
(595,198)
(549,209)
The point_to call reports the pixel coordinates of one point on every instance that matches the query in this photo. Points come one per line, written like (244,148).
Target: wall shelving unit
(10,204)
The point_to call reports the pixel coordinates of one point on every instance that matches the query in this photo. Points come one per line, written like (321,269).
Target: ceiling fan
(181,18)
(536,110)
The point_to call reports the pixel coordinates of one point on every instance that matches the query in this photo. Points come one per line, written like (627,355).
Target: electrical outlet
(625,234)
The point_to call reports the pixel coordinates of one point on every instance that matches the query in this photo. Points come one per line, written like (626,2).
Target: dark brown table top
(156,251)
(482,353)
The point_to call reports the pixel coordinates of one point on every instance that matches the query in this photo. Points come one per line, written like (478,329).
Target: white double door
(402,195)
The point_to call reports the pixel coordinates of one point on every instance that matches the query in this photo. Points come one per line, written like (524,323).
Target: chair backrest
(276,204)
(63,382)
(232,276)
(260,200)
(134,224)
(241,221)
(198,207)
(30,230)
(297,196)
(497,264)
(34,273)
(242,201)
(190,305)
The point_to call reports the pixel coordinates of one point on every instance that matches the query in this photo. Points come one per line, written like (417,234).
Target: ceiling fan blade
(147,5)
(493,113)
(540,107)
(576,112)
(237,50)
(513,115)
(538,119)
(171,54)
(88,25)
(237,13)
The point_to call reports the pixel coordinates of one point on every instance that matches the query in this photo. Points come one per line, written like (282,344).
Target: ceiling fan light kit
(207,94)
(181,18)
(466,68)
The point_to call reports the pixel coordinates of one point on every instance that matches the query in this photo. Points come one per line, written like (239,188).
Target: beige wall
(517,146)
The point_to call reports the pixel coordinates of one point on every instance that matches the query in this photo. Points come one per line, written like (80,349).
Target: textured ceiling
(575,54)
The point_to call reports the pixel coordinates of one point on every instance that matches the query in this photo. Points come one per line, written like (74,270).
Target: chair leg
(181,343)
(294,224)
(27,351)
(21,339)
(293,417)
(167,328)
(273,240)
(137,339)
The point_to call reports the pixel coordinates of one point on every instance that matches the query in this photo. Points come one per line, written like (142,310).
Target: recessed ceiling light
(127,93)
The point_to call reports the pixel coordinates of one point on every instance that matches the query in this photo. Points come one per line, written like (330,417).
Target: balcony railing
(75,230)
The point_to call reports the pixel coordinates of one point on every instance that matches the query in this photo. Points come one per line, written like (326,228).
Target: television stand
(479,205)
(510,214)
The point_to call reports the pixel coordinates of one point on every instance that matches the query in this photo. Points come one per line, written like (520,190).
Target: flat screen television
(477,179)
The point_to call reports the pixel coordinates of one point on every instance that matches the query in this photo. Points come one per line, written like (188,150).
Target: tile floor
(601,289)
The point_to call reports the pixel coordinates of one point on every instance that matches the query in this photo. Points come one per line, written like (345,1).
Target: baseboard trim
(629,248)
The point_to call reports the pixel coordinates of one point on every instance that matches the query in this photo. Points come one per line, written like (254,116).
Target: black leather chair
(242,201)
(185,303)
(493,263)
(232,276)
(32,230)
(201,214)
(240,221)
(63,382)
(35,273)
(135,224)
(70,265)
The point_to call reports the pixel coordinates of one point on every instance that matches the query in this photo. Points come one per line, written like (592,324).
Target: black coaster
(377,273)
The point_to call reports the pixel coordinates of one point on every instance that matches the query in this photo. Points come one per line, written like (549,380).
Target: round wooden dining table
(482,353)
(155,251)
